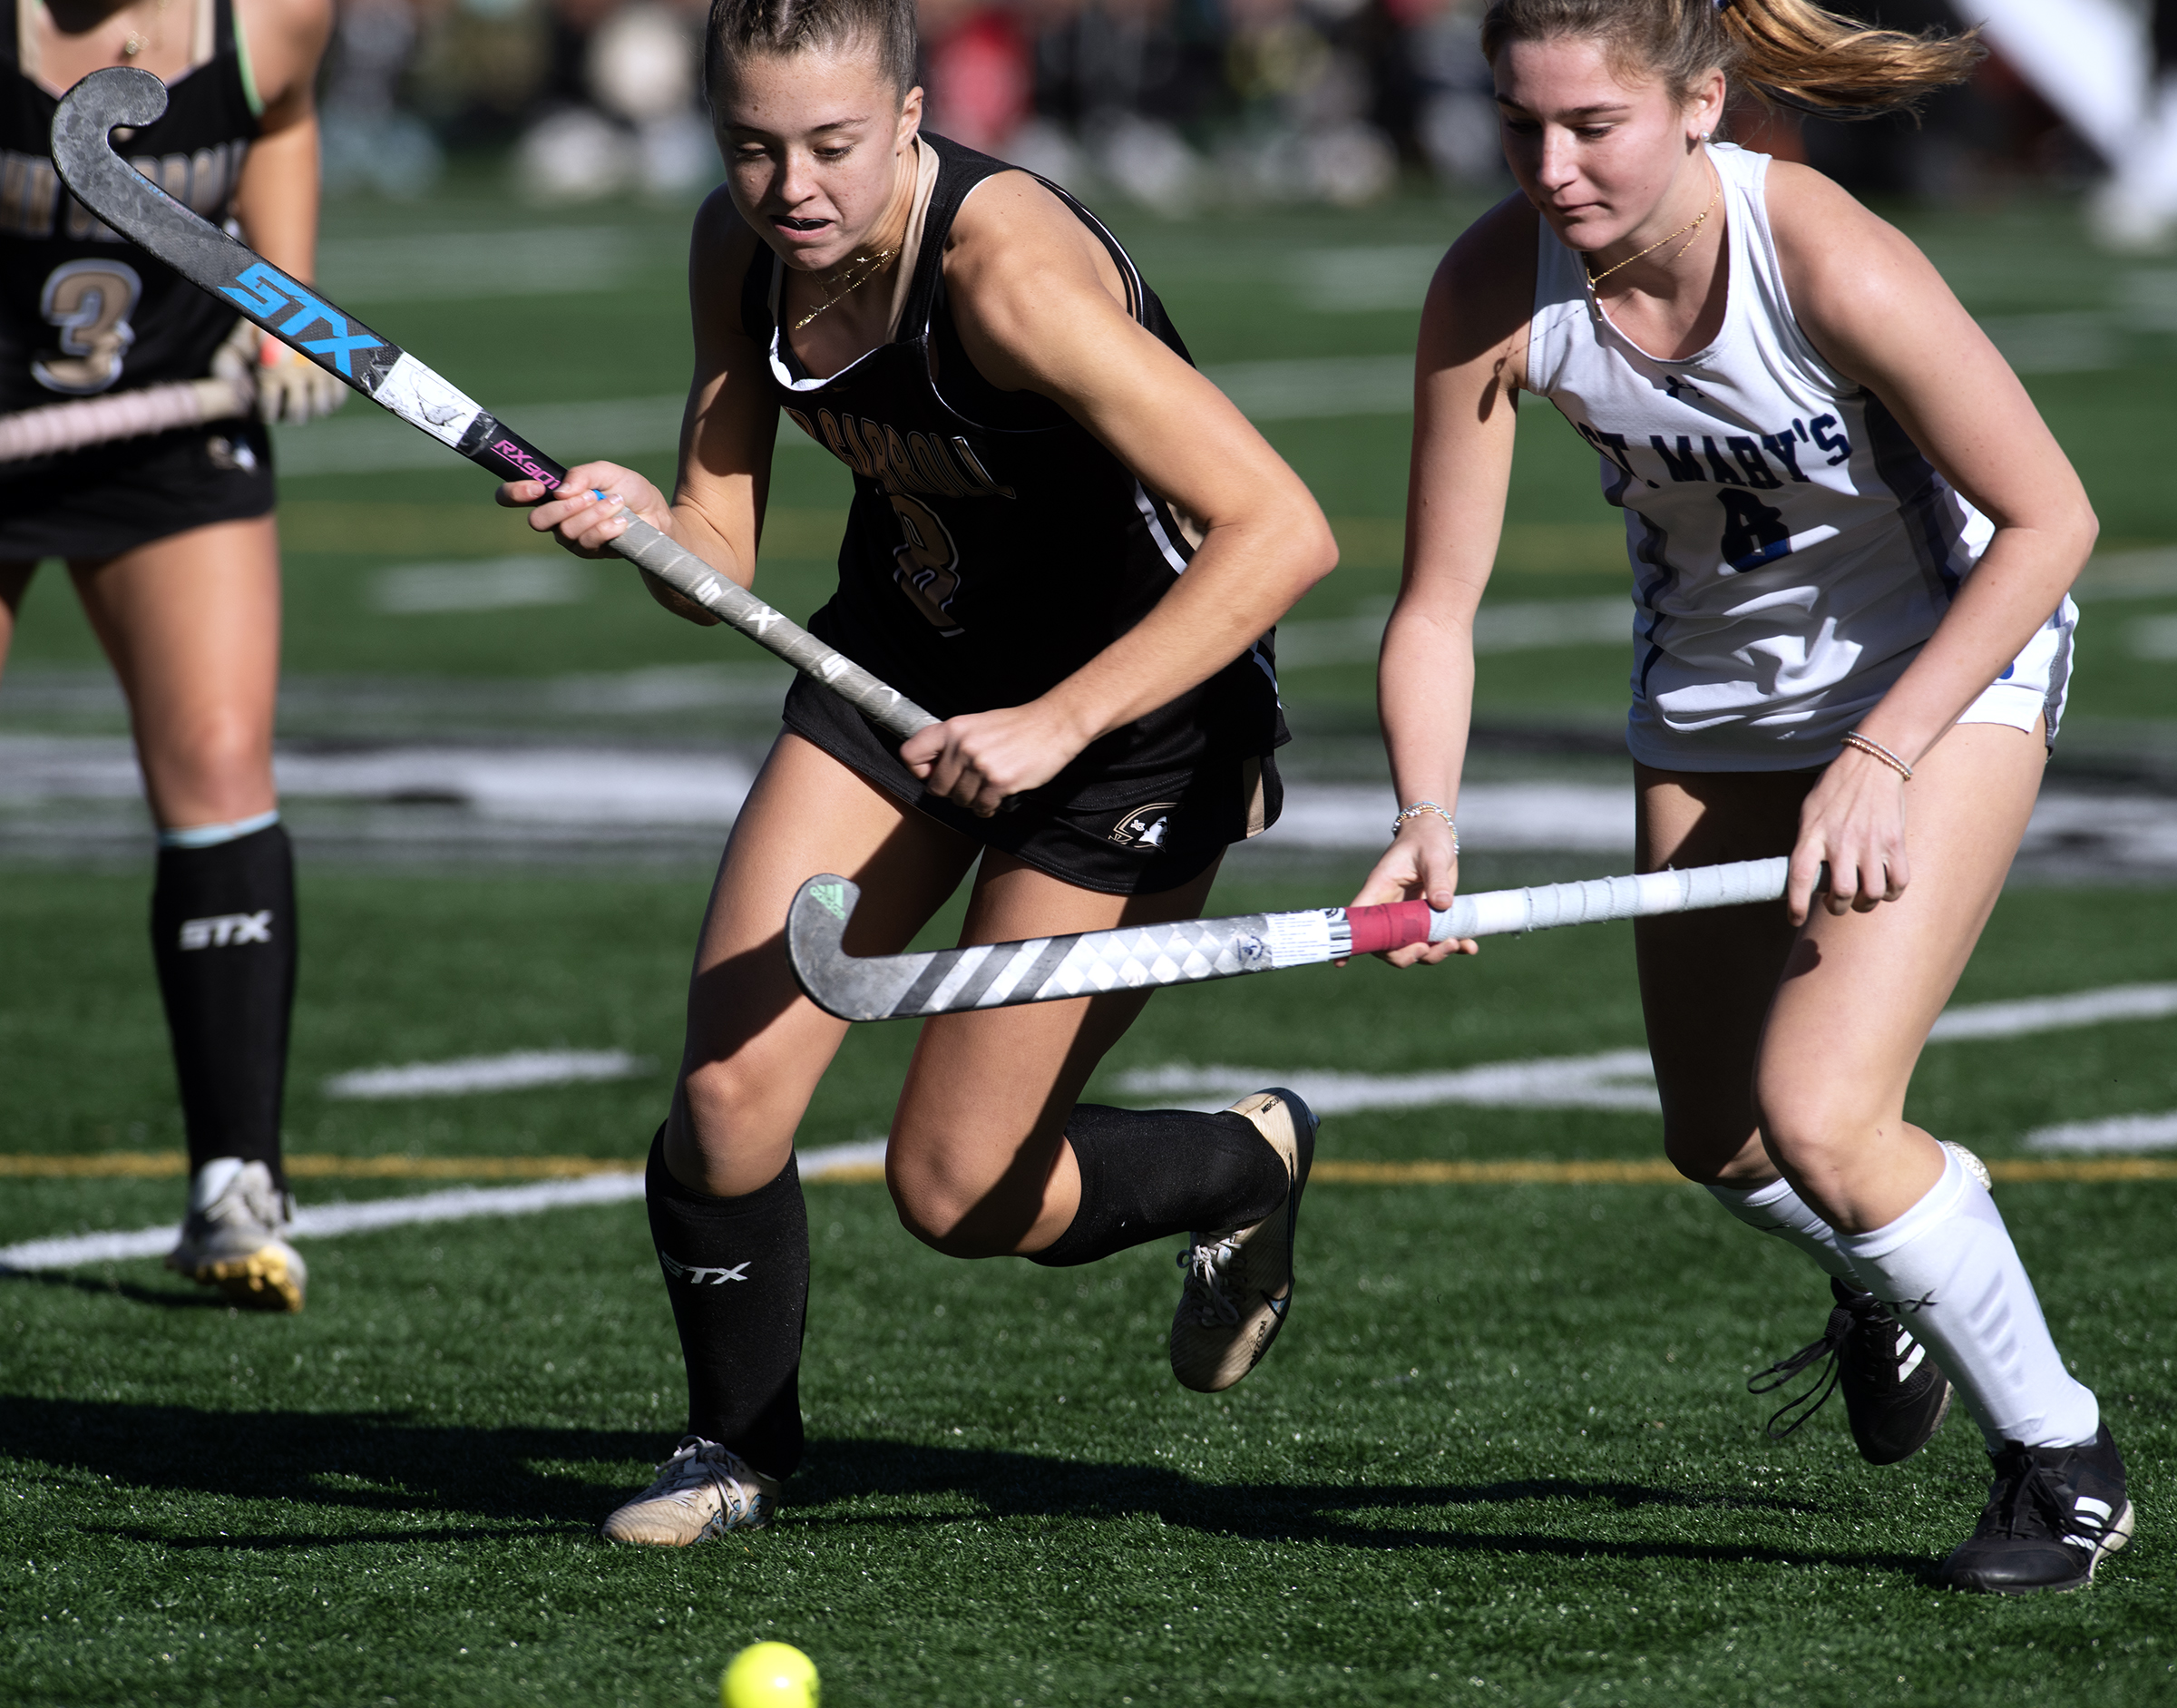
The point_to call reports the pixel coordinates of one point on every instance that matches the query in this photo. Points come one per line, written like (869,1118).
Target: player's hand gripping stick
(389,376)
(1193,951)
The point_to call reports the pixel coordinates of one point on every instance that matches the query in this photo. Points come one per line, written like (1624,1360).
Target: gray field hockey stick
(132,415)
(1193,950)
(389,376)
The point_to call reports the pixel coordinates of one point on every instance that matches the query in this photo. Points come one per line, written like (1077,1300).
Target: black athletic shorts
(108,499)
(1114,835)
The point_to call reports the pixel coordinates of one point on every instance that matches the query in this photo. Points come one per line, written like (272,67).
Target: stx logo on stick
(264,291)
(699,1276)
(225,931)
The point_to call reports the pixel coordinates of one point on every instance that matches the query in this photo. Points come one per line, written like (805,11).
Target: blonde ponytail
(1787,53)
(1799,55)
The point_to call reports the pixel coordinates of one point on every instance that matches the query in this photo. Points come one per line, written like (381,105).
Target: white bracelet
(1416,810)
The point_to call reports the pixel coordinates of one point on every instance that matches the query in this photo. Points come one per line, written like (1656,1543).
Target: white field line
(1614,1079)
(2118,1133)
(375,444)
(518,1070)
(2056,1013)
(1620,1078)
(328,1221)
(508,584)
(1611,1079)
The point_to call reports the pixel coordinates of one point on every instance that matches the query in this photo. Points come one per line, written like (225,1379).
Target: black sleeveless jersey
(994,545)
(81,309)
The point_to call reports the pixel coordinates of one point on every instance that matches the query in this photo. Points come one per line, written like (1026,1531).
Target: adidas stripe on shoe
(2054,1514)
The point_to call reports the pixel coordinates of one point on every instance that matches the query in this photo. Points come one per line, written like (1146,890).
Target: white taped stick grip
(687,575)
(1498,912)
(58,427)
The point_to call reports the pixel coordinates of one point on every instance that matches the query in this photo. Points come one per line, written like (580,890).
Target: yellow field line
(171,1164)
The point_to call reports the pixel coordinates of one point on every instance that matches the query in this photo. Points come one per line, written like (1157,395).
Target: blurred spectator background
(1185,104)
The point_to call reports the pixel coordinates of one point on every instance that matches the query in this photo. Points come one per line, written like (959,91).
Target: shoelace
(696,1463)
(1204,1264)
(2027,1501)
(1831,1346)
(252,1201)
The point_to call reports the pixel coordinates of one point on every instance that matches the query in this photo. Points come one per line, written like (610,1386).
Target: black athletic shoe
(1894,1396)
(2054,1514)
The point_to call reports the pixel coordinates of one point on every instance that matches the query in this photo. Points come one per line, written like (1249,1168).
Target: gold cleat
(702,1491)
(235,1242)
(1239,1281)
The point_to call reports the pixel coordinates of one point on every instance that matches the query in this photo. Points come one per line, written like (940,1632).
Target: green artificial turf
(1504,1439)
(1502,1455)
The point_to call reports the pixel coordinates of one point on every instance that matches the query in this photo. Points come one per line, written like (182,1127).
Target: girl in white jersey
(1851,539)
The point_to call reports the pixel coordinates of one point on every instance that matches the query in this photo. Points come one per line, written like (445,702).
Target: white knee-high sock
(1949,1271)
(1777,1209)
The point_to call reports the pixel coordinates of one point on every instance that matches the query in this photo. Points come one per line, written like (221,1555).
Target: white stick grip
(687,575)
(1501,912)
(57,427)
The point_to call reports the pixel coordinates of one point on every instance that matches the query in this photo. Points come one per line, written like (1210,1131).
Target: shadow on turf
(304,1457)
(1016,1485)
(165,1298)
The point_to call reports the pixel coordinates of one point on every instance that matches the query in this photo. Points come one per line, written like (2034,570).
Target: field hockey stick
(1193,950)
(390,377)
(70,427)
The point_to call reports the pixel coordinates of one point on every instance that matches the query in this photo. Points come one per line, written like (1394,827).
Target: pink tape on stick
(1388,925)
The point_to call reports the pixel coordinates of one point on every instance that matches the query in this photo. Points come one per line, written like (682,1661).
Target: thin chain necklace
(136,43)
(870,267)
(1689,232)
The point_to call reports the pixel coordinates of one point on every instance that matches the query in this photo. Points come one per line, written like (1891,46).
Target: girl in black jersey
(1070,546)
(169,538)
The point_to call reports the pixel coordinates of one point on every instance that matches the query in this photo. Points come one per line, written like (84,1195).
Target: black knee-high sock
(738,1273)
(1149,1174)
(223,937)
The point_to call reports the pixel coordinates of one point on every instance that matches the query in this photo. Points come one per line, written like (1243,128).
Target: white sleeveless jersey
(1791,549)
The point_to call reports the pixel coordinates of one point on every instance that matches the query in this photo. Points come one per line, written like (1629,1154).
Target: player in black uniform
(1068,545)
(170,539)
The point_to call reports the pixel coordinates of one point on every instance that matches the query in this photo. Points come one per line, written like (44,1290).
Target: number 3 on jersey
(90,303)
(927,567)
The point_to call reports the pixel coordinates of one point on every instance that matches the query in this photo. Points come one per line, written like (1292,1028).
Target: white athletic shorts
(2039,681)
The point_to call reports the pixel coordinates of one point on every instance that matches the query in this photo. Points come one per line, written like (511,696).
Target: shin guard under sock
(1149,1174)
(738,1273)
(1777,1209)
(223,939)
(1947,1268)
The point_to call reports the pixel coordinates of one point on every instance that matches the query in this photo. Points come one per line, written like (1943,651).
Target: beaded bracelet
(1416,810)
(1876,750)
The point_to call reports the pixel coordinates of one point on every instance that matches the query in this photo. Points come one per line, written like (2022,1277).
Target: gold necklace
(1688,231)
(136,43)
(870,267)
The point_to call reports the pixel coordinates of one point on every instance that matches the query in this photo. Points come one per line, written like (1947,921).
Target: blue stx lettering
(264,291)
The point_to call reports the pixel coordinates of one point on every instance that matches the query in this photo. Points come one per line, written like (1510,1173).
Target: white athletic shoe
(234,1242)
(1239,1281)
(703,1490)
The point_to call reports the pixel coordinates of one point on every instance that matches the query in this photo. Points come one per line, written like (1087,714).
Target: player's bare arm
(277,200)
(1877,310)
(726,437)
(1469,369)
(1039,308)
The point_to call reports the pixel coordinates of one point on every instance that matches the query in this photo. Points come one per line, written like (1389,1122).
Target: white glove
(289,386)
